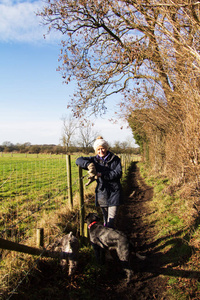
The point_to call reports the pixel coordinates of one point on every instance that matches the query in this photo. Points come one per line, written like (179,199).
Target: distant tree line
(118,147)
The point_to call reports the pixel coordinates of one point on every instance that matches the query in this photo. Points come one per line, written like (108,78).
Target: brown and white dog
(102,238)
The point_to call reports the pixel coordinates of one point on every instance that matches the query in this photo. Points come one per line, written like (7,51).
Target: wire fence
(26,187)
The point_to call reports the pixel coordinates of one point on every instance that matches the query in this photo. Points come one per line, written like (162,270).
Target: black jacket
(108,189)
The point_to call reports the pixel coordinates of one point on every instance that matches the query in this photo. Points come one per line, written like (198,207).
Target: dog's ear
(92,217)
(96,217)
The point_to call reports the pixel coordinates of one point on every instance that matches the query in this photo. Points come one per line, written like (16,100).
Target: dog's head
(70,243)
(92,217)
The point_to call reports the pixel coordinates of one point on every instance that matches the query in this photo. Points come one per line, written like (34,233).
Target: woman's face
(101,151)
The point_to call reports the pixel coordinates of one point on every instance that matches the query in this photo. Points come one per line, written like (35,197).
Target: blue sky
(33,98)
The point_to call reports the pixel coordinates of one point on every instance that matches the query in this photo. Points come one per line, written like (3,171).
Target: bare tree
(86,135)
(108,46)
(69,127)
(120,46)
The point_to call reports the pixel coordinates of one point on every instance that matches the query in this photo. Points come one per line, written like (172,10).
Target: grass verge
(176,220)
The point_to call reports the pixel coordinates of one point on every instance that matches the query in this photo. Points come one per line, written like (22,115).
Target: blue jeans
(109,215)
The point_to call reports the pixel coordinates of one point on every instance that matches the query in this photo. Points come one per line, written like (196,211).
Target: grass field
(30,184)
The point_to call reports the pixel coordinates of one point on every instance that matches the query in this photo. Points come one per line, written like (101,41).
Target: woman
(108,174)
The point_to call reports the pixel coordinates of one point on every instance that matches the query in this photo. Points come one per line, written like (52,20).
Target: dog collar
(92,224)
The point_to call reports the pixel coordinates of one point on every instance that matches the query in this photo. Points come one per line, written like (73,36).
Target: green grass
(177,233)
(29,184)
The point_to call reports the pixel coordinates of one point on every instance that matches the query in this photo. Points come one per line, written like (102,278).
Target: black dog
(108,238)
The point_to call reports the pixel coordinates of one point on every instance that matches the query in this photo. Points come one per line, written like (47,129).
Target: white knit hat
(100,142)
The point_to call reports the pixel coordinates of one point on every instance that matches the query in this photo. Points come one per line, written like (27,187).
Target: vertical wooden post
(40,237)
(124,155)
(69,180)
(81,202)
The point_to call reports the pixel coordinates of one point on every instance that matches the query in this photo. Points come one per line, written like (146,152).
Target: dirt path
(147,282)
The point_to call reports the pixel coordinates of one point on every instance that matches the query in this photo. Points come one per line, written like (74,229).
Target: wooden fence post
(69,180)
(81,202)
(40,237)
(125,162)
